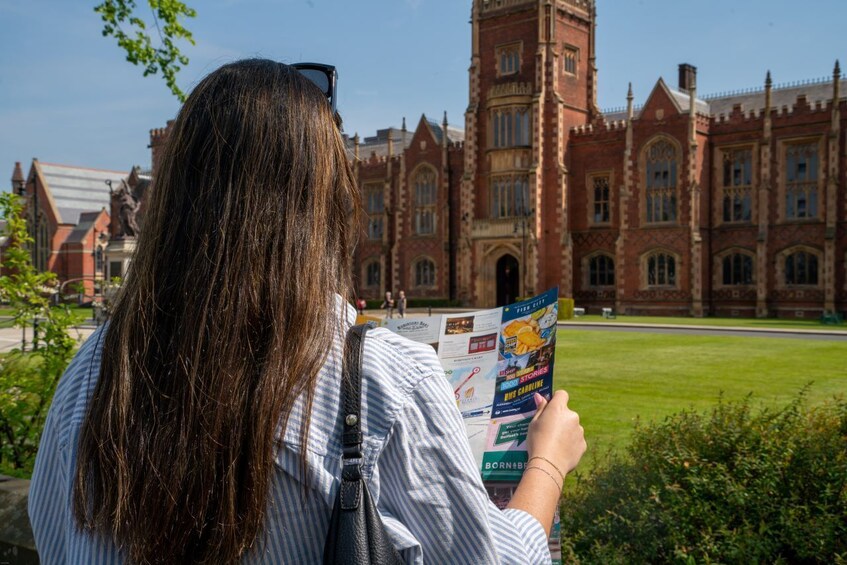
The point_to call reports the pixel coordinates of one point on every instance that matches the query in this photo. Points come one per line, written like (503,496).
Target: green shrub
(733,485)
(28,379)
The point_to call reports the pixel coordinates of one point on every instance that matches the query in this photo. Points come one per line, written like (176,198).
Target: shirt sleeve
(432,498)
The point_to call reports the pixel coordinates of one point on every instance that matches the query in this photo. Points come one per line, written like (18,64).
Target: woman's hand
(555,435)
(555,442)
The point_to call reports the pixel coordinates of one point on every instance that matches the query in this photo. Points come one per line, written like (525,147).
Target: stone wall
(16,542)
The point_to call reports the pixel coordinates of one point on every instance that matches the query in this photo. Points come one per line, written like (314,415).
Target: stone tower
(532,79)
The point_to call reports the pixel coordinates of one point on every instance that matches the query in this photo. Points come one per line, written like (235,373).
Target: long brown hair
(223,320)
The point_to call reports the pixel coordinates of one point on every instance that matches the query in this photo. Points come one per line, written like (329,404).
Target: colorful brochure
(496,360)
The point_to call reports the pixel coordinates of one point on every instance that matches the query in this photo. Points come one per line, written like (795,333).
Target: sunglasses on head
(323,76)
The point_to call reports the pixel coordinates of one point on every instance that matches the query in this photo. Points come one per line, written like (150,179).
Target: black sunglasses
(323,76)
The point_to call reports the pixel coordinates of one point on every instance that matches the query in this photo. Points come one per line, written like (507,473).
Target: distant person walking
(401,304)
(388,304)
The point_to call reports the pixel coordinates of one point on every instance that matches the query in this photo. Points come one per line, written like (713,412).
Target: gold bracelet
(561,474)
(552,478)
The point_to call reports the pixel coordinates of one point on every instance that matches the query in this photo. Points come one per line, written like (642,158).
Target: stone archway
(508,280)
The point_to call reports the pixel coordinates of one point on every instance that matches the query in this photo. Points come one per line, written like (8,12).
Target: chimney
(687,77)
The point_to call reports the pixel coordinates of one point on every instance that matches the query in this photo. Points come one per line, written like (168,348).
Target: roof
(683,100)
(378,144)
(78,189)
(815,91)
(86,222)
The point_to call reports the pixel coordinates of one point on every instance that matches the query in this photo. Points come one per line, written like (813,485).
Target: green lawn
(80,315)
(765,323)
(614,378)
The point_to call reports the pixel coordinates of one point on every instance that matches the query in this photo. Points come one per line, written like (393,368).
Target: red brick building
(410,181)
(729,205)
(726,205)
(67,208)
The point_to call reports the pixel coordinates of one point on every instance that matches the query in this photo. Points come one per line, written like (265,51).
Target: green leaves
(28,379)
(121,21)
(731,485)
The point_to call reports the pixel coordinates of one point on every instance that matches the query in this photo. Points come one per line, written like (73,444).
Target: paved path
(10,338)
(829,335)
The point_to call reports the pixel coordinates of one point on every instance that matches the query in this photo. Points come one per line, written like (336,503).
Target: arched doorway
(508,280)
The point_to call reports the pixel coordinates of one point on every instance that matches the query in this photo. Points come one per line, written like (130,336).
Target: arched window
(661,270)
(601,271)
(801,268)
(98,259)
(372,274)
(737,269)
(425,202)
(424,273)
(39,248)
(661,174)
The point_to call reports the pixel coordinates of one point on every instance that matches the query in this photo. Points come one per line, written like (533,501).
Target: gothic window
(39,248)
(801,181)
(737,185)
(510,127)
(98,259)
(801,268)
(509,196)
(661,169)
(601,202)
(425,202)
(374,208)
(601,271)
(737,269)
(661,270)
(508,59)
(372,274)
(424,272)
(571,54)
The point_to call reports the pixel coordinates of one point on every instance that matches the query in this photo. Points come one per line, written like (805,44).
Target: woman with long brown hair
(202,424)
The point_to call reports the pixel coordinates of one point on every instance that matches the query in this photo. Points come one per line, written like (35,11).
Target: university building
(69,211)
(730,205)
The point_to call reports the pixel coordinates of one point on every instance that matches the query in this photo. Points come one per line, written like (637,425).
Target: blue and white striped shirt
(419,468)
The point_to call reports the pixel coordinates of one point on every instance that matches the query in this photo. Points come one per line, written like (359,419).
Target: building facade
(76,219)
(67,208)
(731,205)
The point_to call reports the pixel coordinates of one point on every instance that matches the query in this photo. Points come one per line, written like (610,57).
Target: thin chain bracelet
(561,474)
(552,478)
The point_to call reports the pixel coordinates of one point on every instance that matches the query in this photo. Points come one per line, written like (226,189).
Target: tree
(28,379)
(136,39)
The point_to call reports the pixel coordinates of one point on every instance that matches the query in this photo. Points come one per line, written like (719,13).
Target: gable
(424,133)
(661,102)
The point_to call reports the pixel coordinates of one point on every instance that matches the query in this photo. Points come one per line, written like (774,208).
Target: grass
(80,315)
(615,378)
(764,323)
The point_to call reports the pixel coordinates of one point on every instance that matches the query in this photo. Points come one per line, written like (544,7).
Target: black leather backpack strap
(351,437)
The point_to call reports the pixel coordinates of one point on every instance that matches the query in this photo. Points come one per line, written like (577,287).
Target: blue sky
(68,96)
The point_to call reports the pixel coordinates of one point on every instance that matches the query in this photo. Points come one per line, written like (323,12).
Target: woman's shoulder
(70,401)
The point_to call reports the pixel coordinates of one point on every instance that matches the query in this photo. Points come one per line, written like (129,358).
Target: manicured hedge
(735,485)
